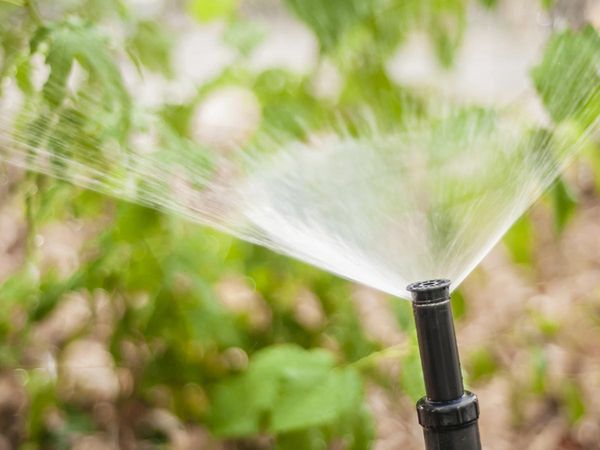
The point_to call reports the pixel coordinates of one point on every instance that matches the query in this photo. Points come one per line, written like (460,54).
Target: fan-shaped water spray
(425,202)
(383,206)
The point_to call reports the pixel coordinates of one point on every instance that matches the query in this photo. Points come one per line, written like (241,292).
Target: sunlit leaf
(285,389)
(567,79)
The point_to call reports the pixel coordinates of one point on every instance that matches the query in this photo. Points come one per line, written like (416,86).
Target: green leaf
(287,103)
(573,401)
(209,10)
(592,151)
(548,326)
(312,402)
(60,58)
(564,203)
(237,409)
(12,43)
(285,389)
(210,322)
(331,19)
(385,99)
(447,27)
(22,76)
(71,41)
(98,109)
(539,362)
(21,285)
(482,364)
(43,397)
(459,304)
(404,315)
(363,431)
(568,79)
(519,240)
(311,439)
(152,45)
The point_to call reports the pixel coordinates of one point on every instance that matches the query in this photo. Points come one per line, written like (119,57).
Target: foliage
(285,389)
(241,372)
(574,94)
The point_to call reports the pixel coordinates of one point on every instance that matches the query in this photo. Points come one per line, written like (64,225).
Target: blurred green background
(121,327)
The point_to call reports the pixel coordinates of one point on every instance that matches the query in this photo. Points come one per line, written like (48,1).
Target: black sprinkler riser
(447,413)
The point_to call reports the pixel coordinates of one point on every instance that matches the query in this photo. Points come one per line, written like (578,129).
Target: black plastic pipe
(447,413)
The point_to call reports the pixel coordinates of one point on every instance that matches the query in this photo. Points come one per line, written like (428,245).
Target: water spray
(447,413)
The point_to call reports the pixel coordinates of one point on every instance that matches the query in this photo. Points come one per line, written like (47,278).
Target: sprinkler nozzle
(430,291)
(447,413)
(437,340)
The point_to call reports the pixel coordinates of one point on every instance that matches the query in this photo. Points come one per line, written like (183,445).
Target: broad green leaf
(285,389)
(310,402)
(237,408)
(568,80)
(77,123)
(71,41)
(241,404)
(291,361)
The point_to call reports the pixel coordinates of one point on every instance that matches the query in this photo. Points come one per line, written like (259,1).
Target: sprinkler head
(430,291)
(447,413)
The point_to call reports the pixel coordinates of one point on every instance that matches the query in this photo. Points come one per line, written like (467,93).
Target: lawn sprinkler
(447,413)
